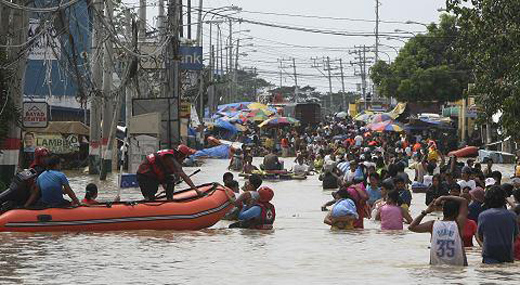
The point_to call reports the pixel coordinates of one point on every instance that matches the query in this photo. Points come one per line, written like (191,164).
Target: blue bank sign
(191,58)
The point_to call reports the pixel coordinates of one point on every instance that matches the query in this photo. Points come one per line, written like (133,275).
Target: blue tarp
(221,151)
(225,125)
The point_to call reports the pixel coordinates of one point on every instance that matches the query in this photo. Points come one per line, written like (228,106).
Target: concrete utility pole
(16,24)
(324,64)
(96,101)
(200,73)
(234,85)
(172,71)
(281,74)
(296,89)
(343,94)
(161,21)
(362,61)
(188,15)
(132,33)
(377,30)
(330,81)
(199,23)
(108,101)
(142,19)
(377,40)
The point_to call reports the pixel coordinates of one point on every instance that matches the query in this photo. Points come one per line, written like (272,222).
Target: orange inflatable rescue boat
(187,211)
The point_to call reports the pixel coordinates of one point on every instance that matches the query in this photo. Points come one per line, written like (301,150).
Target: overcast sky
(268,44)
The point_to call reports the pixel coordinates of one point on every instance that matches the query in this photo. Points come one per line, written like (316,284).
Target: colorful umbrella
(381,118)
(279,121)
(258,115)
(386,126)
(363,117)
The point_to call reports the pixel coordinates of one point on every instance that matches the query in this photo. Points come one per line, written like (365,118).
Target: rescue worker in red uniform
(163,167)
(40,154)
(261,215)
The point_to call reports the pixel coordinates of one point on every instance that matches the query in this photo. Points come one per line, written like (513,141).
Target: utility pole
(161,23)
(132,33)
(234,85)
(17,35)
(324,64)
(361,61)
(189,19)
(142,19)
(296,90)
(281,74)
(343,95)
(201,73)
(199,23)
(231,59)
(96,100)
(172,70)
(377,30)
(108,101)
(377,40)
(330,81)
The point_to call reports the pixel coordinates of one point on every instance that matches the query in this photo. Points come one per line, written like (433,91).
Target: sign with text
(35,114)
(57,143)
(191,58)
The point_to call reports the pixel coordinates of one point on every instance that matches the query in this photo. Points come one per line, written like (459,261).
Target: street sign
(191,58)
(35,114)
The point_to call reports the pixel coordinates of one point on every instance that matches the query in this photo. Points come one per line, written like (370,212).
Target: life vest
(267,217)
(155,160)
(20,189)
(517,171)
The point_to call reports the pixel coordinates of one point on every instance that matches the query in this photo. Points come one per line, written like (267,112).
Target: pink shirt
(391,217)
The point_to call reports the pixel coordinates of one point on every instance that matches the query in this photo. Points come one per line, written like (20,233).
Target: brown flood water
(301,249)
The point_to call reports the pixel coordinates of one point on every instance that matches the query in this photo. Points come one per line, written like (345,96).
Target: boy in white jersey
(446,242)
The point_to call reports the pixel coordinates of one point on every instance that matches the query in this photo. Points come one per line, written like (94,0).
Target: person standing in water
(446,241)
(392,214)
(163,167)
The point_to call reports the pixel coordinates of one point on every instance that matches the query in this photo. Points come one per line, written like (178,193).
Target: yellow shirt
(433,154)
(268,143)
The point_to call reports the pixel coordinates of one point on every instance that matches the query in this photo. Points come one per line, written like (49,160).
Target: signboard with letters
(35,114)
(57,143)
(191,57)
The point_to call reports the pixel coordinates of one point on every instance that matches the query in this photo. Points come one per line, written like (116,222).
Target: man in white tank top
(446,243)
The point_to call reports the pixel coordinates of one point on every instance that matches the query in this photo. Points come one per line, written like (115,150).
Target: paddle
(179,181)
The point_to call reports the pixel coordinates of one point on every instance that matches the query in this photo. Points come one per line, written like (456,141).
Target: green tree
(489,40)
(248,85)
(426,69)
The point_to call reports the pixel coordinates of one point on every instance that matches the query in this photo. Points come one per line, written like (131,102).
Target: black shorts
(149,186)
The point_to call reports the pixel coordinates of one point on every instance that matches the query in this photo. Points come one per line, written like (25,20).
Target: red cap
(185,150)
(265,193)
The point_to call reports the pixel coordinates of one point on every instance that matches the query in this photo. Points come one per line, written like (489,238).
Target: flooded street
(301,249)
